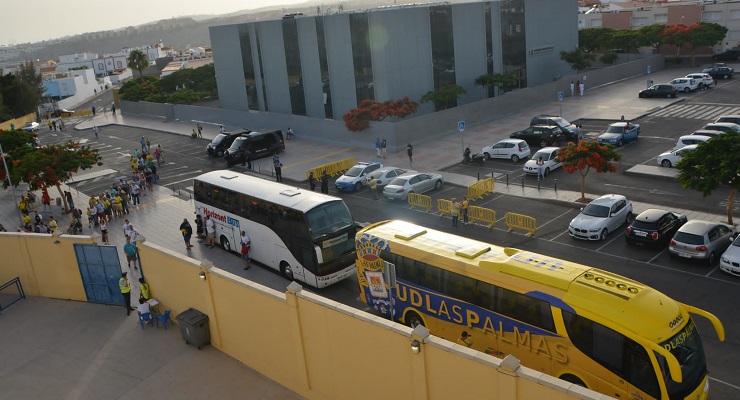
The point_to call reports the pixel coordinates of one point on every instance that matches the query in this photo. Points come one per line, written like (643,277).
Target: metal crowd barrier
(480,188)
(420,200)
(520,221)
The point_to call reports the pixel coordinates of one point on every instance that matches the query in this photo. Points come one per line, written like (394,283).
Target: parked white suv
(513,149)
(685,84)
(704,79)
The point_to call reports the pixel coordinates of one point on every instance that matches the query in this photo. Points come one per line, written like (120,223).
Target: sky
(23,21)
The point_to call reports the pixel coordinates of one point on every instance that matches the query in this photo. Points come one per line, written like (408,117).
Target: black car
(254,145)
(662,90)
(729,55)
(654,227)
(568,129)
(721,72)
(222,142)
(541,135)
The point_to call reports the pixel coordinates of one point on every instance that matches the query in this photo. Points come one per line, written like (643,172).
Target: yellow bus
(581,324)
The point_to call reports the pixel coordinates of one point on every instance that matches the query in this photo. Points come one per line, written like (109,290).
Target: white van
(687,140)
(685,84)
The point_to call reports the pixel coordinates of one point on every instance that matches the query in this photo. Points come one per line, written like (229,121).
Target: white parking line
(710,272)
(606,244)
(566,212)
(725,383)
(561,234)
(656,256)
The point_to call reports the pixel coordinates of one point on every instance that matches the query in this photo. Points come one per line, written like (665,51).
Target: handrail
(21,293)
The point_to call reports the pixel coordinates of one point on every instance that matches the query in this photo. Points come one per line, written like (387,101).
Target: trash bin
(194,327)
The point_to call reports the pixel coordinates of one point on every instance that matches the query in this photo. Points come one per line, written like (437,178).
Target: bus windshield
(328,218)
(687,348)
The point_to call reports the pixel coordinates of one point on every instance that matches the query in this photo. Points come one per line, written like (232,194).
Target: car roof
(364,164)
(651,215)
(621,124)
(698,227)
(702,74)
(608,199)
(389,168)
(548,149)
(726,124)
(697,137)
(545,126)
(707,132)
(512,140)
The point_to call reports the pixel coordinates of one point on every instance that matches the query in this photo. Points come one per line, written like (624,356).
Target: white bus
(307,236)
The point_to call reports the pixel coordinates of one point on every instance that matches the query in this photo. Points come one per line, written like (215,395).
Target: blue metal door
(100,269)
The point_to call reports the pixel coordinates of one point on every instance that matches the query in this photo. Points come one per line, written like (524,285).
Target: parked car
(722,126)
(549,156)
(701,240)
(416,182)
(721,72)
(254,145)
(707,132)
(654,227)
(670,158)
(386,174)
(356,177)
(30,126)
(619,133)
(735,119)
(222,142)
(568,129)
(662,90)
(601,216)
(728,55)
(512,149)
(730,260)
(703,79)
(541,135)
(685,84)
(686,140)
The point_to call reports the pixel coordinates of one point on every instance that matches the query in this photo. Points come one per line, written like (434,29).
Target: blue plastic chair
(144,318)
(164,318)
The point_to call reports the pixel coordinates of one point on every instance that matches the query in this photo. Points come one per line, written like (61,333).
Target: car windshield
(398,181)
(594,210)
(238,143)
(544,154)
(328,218)
(218,139)
(688,238)
(353,172)
(615,129)
(644,224)
(736,242)
(686,346)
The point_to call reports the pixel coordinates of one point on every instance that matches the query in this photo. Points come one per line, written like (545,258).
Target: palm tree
(137,60)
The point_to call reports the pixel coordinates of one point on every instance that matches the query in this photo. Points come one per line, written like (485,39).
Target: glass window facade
(489,45)
(360,35)
(249,77)
(513,44)
(262,71)
(293,64)
(443,49)
(324,65)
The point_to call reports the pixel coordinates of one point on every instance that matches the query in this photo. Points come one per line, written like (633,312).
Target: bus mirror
(673,367)
(716,323)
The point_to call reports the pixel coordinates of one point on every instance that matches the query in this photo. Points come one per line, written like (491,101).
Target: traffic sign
(461,126)
(560,95)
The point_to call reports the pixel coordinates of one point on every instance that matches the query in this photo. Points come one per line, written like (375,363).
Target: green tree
(585,156)
(444,97)
(705,34)
(137,60)
(609,57)
(578,59)
(713,163)
(498,81)
(677,35)
(592,39)
(626,39)
(651,36)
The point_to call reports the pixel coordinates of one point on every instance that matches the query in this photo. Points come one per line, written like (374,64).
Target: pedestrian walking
(465,204)
(210,231)
(377,147)
(127,228)
(187,232)
(279,171)
(161,152)
(383,147)
(130,250)
(134,235)
(49,124)
(113,108)
(70,201)
(199,227)
(582,88)
(54,124)
(93,110)
(465,339)
(200,130)
(142,142)
(135,190)
(572,88)
(95,131)
(410,152)
(540,168)
(455,212)
(125,287)
(246,244)
(104,230)
(148,145)
(312,181)
(324,183)
(221,129)
(374,187)
(61,124)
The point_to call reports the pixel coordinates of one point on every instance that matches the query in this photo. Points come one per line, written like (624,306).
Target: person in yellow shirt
(465,210)
(52,225)
(465,339)
(117,206)
(374,187)
(144,287)
(26,222)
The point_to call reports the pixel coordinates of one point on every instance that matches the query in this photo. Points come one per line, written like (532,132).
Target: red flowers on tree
(359,118)
(584,156)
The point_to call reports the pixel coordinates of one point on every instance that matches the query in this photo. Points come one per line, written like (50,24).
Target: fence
(480,188)
(10,293)
(420,200)
(332,168)
(520,221)
(480,214)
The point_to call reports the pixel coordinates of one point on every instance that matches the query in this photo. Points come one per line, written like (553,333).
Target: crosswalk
(700,111)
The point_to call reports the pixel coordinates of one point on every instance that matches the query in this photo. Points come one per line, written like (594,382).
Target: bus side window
(431,278)
(640,370)
(459,286)
(602,344)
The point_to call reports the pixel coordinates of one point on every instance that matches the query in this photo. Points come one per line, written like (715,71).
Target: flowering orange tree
(359,118)
(584,156)
(677,35)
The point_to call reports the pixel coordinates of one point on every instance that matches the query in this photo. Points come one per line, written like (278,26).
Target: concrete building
(322,66)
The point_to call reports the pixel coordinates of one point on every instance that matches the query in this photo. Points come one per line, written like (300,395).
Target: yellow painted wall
(19,122)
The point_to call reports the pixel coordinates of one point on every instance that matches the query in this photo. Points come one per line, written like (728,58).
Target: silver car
(702,240)
(386,174)
(400,187)
(601,216)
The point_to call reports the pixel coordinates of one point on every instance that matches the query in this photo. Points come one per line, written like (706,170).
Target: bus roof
(594,293)
(294,197)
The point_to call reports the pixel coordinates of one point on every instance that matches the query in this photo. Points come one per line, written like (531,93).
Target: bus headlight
(706,385)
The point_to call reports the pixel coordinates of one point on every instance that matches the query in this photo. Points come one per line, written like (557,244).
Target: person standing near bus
(312,181)
(210,231)
(187,233)
(465,339)
(324,183)
(246,243)
(465,204)
(279,171)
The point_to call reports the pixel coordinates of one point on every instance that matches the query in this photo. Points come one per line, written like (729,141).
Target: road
(696,284)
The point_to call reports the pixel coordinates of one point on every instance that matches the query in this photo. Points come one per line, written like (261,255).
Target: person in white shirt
(133,234)
(143,307)
(210,231)
(126,228)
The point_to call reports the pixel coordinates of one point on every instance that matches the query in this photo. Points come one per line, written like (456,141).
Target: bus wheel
(225,243)
(413,319)
(574,380)
(286,271)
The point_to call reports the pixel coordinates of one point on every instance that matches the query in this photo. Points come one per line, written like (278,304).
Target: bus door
(231,234)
